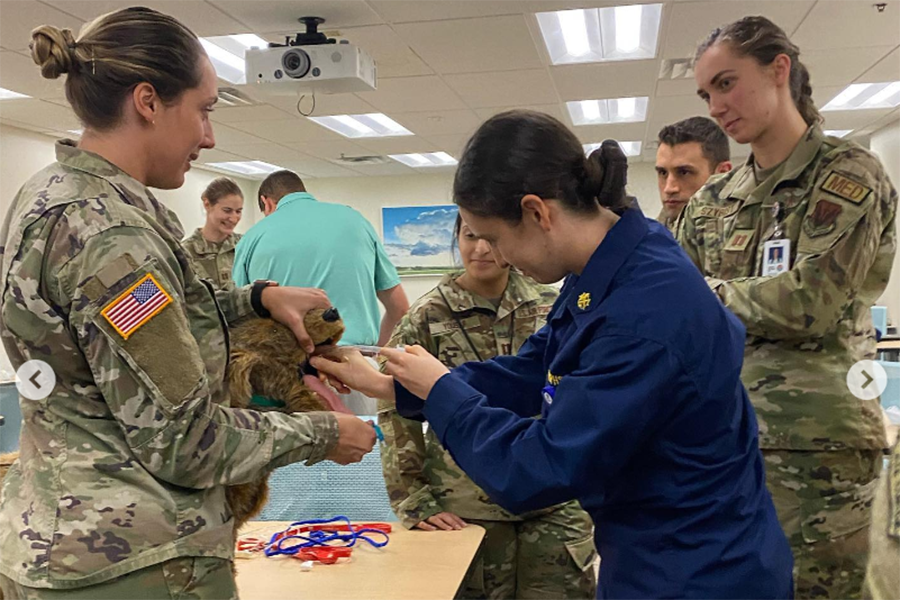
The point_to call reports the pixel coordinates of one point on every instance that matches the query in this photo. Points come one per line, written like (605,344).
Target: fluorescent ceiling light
(362,126)
(75,131)
(601,34)
(6,94)
(425,159)
(628,28)
(629,148)
(862,96)
(837,132)
(612,110)
(227,54)
(250,167)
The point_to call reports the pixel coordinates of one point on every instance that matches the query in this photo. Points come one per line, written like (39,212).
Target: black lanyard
(461,328)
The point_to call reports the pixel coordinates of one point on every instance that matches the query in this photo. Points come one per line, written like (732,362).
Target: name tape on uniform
(845,188)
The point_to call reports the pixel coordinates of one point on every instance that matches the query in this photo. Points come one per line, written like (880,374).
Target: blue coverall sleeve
(602,414)
(510,382)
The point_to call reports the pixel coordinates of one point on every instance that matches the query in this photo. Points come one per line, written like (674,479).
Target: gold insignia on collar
(584,300)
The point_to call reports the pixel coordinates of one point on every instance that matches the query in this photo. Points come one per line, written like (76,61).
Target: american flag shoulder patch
(136,305)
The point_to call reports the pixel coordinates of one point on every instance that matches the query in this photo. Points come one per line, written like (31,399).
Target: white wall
(369,194)
(23,153)
(886,144)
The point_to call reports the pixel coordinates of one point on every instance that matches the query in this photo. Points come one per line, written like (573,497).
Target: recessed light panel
(601,34)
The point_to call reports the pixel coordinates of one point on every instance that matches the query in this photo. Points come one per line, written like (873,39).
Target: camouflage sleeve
(403,453)
(234,302)
(154,379)
(841,240)
(688,237)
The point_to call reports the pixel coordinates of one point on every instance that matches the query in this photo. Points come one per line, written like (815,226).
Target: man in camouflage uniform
(212,261)
(806,327)
(120,481)
(689,152)
(544,554)
(883,573)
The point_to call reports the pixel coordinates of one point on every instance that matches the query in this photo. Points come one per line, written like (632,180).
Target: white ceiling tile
(459,122)
(853,119)
(887,69)
(392,55)
(265,16)
(325,104)
(410,93)
(228,136)
(606,80)
(201,17)
(19,74)
(239,114)
(838,66)
(676,87)
(464,46)
(19,17)
(216,155)
(269,152)
(848,24)
(451,144)
(39,113)
(498,88)
(669,110)
(329,150)
(407,11)
(691,22)
(317,167)
(398,145)
(391,168)
(287,130)
(554,110)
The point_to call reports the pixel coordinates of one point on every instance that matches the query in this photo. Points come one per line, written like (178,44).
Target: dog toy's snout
(331,315)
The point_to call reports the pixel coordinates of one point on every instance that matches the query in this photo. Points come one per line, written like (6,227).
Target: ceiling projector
(310,63)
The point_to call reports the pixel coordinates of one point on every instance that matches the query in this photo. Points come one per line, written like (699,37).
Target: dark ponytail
(763,40)
(522,152)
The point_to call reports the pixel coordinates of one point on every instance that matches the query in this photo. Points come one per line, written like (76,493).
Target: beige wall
(886,144)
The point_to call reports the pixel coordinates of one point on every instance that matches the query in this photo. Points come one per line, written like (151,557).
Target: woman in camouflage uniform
(486,311)
(798,243)
(119,490)
(211,247)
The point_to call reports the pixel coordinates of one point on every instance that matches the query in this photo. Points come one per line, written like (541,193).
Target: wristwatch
(256,296)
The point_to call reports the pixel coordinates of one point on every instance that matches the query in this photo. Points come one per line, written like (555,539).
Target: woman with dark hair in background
(798,243)
(636,376)
(211,247)
(119,490)
(487,310)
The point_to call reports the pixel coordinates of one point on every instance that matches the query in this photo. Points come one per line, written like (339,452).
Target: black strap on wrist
(256,299)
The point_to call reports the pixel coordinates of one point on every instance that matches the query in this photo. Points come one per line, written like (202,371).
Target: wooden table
(889,349)
(414,565)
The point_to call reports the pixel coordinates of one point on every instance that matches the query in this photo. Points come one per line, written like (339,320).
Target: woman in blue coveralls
(645,420)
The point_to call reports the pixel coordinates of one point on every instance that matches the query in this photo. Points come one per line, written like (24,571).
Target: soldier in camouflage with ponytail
(798,243)
(486,311)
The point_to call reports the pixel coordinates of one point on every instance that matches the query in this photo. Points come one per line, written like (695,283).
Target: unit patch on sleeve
(137,305)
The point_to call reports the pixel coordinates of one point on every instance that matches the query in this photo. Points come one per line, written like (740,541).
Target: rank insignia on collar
(584,300)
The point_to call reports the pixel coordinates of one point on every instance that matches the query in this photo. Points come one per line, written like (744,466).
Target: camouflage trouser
(189,578)
(549,556)
(824,505)
(883,573)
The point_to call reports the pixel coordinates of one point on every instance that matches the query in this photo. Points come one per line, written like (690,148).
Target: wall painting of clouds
(417,238)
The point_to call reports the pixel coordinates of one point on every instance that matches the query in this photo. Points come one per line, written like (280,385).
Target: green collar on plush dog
(267,402)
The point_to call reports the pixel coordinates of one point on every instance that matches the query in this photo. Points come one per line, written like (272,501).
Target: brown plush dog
(269,370)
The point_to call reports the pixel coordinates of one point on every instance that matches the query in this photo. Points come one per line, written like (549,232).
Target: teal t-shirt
(307,243)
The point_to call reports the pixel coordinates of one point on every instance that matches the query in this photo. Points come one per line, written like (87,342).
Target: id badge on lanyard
(777,251)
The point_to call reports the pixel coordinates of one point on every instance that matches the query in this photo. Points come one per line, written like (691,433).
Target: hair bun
(53,50)
(606,171)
